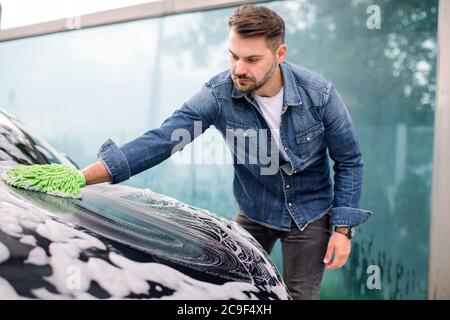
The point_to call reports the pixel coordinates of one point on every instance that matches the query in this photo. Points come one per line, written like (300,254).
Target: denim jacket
(315,123)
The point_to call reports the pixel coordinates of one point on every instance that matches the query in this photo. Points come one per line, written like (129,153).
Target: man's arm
(344,150)
(96,173)
(156,145)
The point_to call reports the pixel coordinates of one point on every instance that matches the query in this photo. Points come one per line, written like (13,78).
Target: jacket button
(290,204)
(287,186)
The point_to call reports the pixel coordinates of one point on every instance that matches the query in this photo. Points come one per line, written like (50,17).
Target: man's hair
(257,21)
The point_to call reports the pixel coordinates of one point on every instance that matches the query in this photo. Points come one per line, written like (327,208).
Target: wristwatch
(348,231)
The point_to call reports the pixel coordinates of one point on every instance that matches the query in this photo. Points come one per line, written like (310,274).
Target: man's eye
(234,57)
(252,60)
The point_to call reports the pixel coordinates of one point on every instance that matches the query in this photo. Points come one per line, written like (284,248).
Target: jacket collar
(291,95)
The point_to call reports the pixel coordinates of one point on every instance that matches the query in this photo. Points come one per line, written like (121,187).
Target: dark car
(118,241)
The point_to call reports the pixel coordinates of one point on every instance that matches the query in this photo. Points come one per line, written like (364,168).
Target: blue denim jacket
(314,120)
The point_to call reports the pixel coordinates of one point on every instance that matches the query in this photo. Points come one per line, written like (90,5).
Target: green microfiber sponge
(56,179)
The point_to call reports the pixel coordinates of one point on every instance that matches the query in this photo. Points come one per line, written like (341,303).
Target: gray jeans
(302,252)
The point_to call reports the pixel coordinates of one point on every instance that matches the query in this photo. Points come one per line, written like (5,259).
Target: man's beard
(256,85)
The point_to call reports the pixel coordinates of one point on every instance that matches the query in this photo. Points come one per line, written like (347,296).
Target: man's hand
(340,245)
(96,173)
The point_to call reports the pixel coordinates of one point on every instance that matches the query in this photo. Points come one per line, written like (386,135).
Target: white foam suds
(29,240)
(37,256)
(185,287)
(7,292)
(58,232)
(4,253)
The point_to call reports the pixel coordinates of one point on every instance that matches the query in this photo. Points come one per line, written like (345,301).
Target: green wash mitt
(56,179)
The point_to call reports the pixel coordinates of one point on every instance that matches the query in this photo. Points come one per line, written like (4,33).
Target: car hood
(118,241)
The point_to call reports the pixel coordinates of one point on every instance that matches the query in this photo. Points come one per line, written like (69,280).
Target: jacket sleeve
(345,152)
(155,146)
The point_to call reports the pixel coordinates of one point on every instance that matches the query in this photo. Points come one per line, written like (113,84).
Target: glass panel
(80,88)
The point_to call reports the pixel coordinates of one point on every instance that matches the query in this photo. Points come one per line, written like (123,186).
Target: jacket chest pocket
(240,130)
(311,140)
(244,141)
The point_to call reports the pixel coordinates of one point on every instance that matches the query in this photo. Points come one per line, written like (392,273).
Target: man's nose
(240,68)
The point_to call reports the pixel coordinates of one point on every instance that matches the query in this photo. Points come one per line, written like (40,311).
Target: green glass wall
(81,87)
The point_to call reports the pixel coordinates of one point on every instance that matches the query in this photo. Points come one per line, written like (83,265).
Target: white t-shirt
(271,108)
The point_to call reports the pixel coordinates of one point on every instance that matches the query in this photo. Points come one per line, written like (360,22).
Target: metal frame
(439,260)
(131,13)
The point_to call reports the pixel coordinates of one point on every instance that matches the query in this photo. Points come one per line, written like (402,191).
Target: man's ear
(281,53)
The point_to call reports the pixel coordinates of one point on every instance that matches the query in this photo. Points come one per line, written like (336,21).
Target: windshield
(19,144)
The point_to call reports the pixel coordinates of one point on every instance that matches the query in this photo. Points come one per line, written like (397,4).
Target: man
(304,116)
